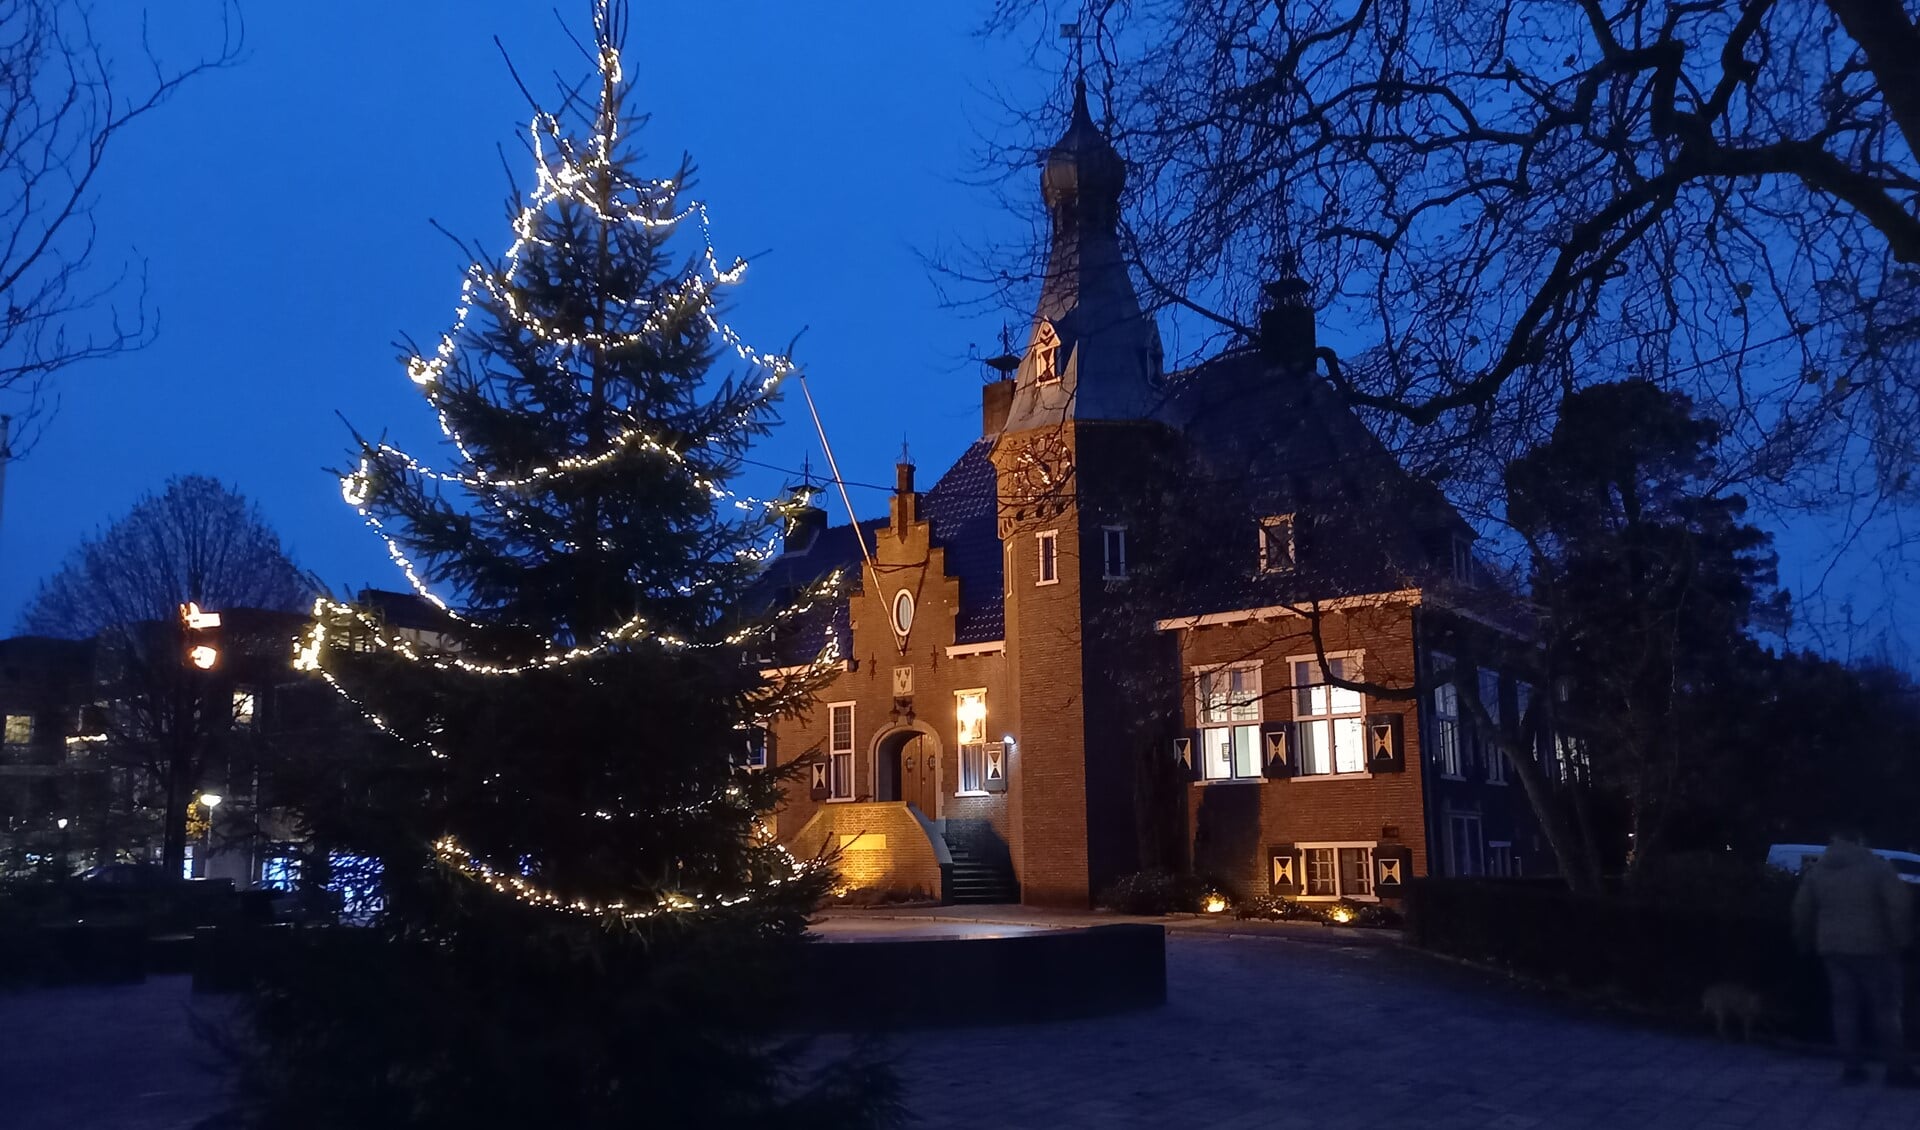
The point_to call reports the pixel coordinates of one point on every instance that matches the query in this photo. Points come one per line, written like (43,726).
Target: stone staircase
(977,880)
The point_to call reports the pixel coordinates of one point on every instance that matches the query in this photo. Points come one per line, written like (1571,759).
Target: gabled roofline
(1278,611)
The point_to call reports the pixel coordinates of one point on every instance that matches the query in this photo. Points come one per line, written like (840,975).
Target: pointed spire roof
(1091,353)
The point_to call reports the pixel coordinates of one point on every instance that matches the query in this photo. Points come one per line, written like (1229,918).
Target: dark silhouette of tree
(1647,583)
(195,542)
(64,103)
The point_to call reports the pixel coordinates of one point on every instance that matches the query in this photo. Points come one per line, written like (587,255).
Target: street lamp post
(209,801)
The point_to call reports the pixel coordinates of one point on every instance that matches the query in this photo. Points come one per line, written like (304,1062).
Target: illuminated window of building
(243,703)
(1331,720)
(1229,713)
(970,713)
(840,751)
(19,729)
(1338,871)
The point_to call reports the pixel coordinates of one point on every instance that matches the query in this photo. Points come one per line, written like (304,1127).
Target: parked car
(1796,857)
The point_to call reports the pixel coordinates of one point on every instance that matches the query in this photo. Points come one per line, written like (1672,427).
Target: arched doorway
(906,766)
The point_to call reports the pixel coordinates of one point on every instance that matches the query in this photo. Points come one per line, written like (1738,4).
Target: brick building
(1182,619)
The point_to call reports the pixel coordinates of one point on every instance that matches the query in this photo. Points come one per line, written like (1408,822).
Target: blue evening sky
(283,210)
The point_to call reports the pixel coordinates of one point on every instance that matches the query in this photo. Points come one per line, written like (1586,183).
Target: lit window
(1276,543)
(756,753)
(840,751)
(1490,743)
(1230,722)
(970,711)
(1334,871)
(1049,546)
(1331,720)
(19,729)
(1446,716)
(1116,557)
(243,708)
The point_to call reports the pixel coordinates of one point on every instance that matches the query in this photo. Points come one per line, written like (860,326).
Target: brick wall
(878,846)
(1233,823)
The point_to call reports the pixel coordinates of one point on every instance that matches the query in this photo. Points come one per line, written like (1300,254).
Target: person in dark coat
(1853,910)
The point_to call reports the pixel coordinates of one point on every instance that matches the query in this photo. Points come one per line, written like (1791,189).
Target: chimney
(996,402)
(1286,326)
(906,504)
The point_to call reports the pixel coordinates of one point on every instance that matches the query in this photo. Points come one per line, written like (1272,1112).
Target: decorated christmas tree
(584,922)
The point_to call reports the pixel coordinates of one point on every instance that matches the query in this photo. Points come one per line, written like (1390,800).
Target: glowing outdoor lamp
(211,800)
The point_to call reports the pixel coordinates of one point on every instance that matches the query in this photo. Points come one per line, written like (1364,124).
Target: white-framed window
(1276,543)
(1500,859)
(840,751)
(1047,543)
(1337,870)
(1466,851)
(1330,721)
(1446,716)
(1115,539)
(755,756)
(19,729)
(1490,741)
(902,612)
(243,706)
(970,717)
(1229,714)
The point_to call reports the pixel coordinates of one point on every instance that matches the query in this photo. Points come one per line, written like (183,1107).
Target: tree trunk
(1891,41)
(1576,864)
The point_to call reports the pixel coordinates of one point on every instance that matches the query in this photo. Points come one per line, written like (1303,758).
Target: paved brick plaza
(1260,1033)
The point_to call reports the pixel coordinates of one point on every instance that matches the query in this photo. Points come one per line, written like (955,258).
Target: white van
(1796,857)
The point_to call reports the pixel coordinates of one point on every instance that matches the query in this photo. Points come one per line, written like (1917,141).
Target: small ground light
(1216,903)
(1342,915)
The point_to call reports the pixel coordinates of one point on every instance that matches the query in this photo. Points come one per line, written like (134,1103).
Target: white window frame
(1490,743)
(1445,706)
(1447,819)
(245,704)
(1354,668)
(836,754)
(1114,565)
(1256,706)
(1336,846)
(1047,557)
(902,629)
(972,753)
(1274,522)
(19,729)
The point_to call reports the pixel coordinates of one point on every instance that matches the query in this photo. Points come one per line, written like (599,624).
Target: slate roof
(801,641)
(962,510)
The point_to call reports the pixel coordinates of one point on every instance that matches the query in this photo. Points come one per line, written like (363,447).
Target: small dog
(1724,1000)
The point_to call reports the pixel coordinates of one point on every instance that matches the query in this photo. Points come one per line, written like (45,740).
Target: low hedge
(1343,912)
(1637,950)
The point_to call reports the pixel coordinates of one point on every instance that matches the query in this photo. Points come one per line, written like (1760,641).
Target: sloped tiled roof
(963,512)
(801,641)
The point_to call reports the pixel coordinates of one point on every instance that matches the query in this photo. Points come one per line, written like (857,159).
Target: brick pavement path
(1270,1034)
(1259,1034)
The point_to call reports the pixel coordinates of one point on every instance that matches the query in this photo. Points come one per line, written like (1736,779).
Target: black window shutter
(1386,743)
(1186,752)
(1284,870)
(996,767)
(1392,869)
(819,790)
(1276,754)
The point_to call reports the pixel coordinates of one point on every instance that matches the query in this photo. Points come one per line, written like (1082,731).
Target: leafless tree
(197,542)
(64,103)
(1499,202)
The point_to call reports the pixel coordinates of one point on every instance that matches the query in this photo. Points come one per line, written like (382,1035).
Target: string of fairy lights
(589,179)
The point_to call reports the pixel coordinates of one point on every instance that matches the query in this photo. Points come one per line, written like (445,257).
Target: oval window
(903,612)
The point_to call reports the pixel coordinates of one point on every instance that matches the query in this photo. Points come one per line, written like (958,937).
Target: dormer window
(1462,560)
(1046,354)
(1276,544)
